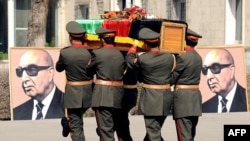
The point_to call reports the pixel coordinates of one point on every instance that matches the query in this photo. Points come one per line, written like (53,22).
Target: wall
(157,8)
(207,18)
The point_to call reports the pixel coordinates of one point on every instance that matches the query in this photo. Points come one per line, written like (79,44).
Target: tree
(37,23)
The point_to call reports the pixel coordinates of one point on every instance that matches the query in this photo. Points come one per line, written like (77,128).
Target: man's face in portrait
(219,69)
(36,72)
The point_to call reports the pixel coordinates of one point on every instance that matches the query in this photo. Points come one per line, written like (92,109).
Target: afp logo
(239,132)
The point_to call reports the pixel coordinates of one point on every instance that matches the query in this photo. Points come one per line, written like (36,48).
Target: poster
(223,75)
(33,75)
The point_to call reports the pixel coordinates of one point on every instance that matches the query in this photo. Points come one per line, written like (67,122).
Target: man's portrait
(37,90)
(223,80)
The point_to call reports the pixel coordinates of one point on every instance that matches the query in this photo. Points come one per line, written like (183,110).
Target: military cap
(148,34)
(73,27)
(103,31)
(192,33)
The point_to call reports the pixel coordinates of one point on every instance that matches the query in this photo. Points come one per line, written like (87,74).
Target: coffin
(172,32)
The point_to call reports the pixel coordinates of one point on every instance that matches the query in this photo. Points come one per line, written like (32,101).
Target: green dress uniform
(108,64)
(187,97)
(77,97)
(154,104)
(78,90)
(155,69)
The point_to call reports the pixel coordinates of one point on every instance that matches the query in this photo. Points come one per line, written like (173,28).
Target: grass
(3,56)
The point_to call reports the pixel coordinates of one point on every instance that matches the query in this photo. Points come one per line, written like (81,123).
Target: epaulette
(141,53)
(174,64)
(137,56)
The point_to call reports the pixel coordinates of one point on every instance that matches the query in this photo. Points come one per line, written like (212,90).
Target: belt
(187,87)
(164,87)
(88,82)
(130,86)
(109,83)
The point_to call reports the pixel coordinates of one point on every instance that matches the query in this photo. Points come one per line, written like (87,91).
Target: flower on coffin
(112,14)
(135,13)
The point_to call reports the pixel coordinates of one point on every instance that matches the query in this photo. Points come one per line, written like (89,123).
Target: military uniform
(128,102)
(187,96)
(78,90)
(108,64)
(155,68)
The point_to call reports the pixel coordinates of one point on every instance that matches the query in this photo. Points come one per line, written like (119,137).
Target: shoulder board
(140,53)
(174,64)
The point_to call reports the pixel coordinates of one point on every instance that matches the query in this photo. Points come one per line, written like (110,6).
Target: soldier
(128,102)
(108,64)
(187,96)
(155,69)
(78,90)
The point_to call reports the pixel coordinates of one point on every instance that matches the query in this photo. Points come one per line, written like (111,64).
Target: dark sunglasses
(214,68)
(31,70)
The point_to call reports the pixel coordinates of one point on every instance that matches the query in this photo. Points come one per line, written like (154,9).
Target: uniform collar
(188,48)
(77,45)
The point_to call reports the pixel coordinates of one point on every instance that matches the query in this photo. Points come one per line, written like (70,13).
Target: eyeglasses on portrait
(215,68)
(31,70)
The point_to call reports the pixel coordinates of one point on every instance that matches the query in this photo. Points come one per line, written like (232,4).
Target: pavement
(210,128)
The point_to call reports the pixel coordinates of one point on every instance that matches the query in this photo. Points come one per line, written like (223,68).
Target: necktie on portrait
(224,104)
(39,107)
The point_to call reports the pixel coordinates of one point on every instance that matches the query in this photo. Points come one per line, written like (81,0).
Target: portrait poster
(240,75)
(17,94)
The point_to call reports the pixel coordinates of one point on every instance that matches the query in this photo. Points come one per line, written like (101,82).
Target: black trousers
(122,129)
(129,101)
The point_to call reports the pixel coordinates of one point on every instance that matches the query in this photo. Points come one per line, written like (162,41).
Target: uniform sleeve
(59,64)
(132,61)
(180,66)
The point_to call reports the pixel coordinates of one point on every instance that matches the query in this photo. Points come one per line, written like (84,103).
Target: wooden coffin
(173,36)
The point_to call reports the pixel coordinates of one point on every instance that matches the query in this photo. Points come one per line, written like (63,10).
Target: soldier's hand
(132,49)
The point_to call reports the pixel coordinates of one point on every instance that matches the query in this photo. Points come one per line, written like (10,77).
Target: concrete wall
(246,34)
(208,19)
(4,65)
(157,8)
(246,25)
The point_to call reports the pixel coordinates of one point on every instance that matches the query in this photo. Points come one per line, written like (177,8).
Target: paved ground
(210,128)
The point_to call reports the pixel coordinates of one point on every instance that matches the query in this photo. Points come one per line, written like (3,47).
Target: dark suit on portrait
(56,110)
(238,104)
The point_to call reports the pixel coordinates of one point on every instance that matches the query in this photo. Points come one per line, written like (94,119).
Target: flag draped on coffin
(126,30)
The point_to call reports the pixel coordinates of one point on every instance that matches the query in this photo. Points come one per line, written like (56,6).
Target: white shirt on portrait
(229,98)
(46,103)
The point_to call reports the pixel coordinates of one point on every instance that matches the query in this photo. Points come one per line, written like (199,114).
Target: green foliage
(47,45)
(52,43)
(3,56)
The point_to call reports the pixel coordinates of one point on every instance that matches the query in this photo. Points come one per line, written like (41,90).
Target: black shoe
(65,126)
(97,132)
